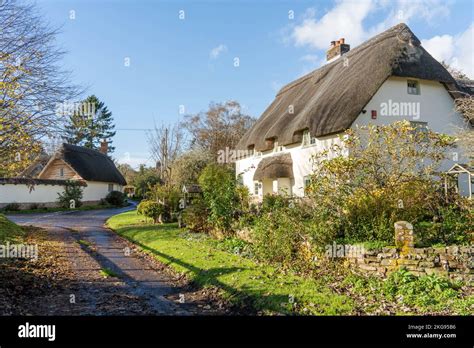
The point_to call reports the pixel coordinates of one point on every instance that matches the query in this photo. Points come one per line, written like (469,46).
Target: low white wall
(48,194)
(22,193)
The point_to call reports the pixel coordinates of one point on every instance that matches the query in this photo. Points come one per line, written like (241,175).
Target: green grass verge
(53,210)
(107,273)
(9,231)
(242,280)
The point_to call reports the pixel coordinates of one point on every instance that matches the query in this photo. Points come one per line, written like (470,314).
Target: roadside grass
(242,280)
(84,242)
(9,231)
(107,272)
(54,210)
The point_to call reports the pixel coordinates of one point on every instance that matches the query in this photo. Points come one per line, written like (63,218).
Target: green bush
(72,190)
(219,191)
(274,202)
(150,209)
(195,217)
(282,237)
(358,198)
(115,198)
(453,225)
(169,197)
(12,207)
(34,206)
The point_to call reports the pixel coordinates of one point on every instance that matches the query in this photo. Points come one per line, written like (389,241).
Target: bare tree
(465,106)
(223,125)
(32,84)
(166,144)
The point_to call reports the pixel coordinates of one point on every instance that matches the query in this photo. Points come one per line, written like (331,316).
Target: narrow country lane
(133,283)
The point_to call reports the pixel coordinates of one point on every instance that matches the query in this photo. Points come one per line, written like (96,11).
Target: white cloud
(346,19)
(216,51)
(457,50)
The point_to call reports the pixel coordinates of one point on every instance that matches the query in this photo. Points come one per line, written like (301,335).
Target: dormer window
(413,87)
(251,150)
(270,143)
(277,148)
(306,138)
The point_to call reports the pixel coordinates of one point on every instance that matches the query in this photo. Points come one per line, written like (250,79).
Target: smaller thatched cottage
(42,182)
(388,78)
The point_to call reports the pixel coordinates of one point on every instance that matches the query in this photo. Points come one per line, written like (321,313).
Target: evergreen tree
(89,124)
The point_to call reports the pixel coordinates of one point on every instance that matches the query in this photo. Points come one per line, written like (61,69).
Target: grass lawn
(242,280)
(53,210)
(9,231)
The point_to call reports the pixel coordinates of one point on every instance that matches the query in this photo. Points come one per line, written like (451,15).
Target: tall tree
(221,126)
(458,74)
(89,124)
(166,144)
(32,84)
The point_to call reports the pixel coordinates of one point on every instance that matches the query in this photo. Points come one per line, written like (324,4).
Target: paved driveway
(137,285)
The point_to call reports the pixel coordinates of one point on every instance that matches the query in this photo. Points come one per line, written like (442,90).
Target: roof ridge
(400,27)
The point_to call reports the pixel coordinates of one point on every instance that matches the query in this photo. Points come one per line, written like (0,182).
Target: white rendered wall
(44,194)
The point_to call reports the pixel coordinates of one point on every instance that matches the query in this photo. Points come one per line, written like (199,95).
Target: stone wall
(454,262)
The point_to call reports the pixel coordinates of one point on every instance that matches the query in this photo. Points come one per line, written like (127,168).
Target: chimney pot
(337,49)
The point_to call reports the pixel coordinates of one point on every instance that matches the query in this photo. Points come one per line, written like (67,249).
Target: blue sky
(189,62)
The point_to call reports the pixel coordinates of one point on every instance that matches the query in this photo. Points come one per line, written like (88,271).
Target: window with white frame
(413,87)
(61,172)
(256,188)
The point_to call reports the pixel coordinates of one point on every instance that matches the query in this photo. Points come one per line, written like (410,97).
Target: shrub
(273,202)
(219,190)
(358,198)
(115,198)
(281,236)
(168,196)
(34,206)
(12,207)
(453,225)
(150,209)
(195,217)
(72,190)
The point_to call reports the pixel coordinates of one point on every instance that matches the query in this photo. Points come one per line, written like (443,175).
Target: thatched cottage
(46,177)
(353,88)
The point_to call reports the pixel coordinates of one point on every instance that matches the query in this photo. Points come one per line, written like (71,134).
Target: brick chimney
(104,147)
(337,49)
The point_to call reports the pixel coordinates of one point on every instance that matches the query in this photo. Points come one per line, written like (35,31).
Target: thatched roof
(90,164)
(274,167)
(35,168)
(329,99)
